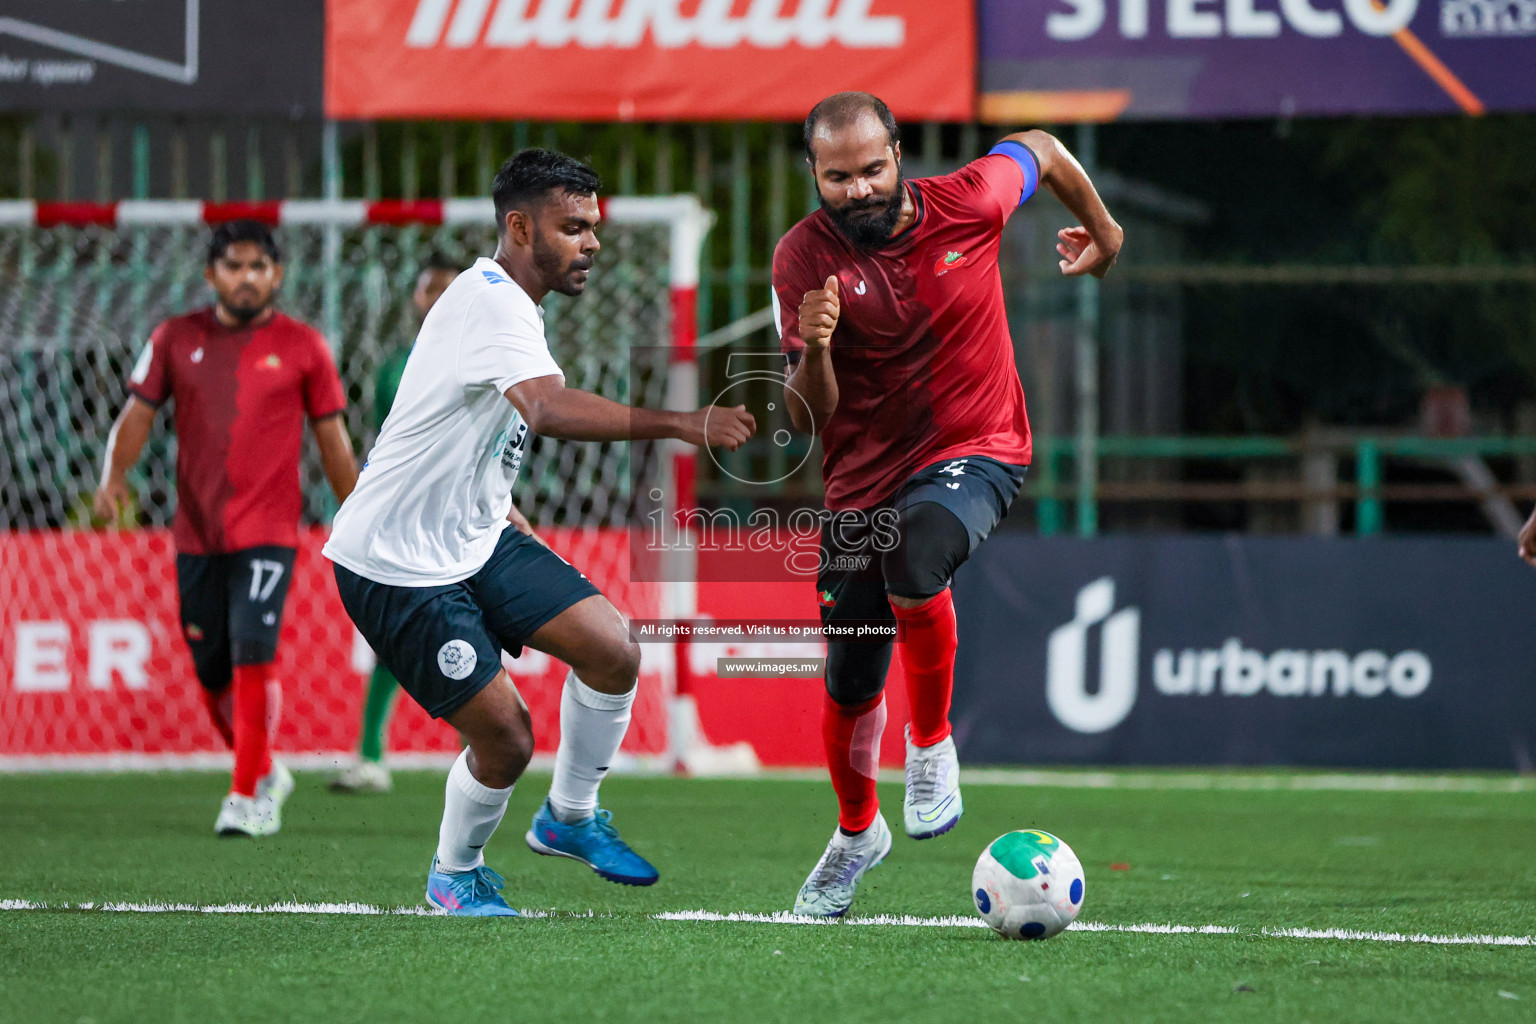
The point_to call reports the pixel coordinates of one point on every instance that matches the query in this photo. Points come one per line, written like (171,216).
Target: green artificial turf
(1409,862)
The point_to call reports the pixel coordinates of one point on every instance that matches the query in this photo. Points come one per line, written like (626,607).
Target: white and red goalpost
(93,671)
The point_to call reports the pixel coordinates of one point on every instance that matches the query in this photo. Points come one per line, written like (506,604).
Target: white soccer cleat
(932,804)
(829,890)
(363,777)
(276,785)
(248,816)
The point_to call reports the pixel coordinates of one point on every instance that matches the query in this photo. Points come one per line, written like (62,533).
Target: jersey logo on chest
(270,362)
(949,261)
(512,452)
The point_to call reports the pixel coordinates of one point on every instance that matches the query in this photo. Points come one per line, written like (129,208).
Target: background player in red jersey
(890,310)
(244,378)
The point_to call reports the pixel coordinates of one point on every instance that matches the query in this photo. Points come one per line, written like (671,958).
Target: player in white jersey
(439,585)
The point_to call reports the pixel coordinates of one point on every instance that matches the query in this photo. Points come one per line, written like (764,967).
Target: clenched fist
(112,499)
(818,315)
(720,426)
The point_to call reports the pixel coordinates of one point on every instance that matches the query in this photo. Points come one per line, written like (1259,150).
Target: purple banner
(1101,60)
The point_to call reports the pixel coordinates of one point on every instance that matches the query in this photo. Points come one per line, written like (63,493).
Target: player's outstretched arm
(124,443)
(1092,247)
(553,410)
(812,378)
(336,456)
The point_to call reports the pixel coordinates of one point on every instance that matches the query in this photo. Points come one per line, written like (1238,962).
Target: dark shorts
(232,609)
(867,554)
(444,643)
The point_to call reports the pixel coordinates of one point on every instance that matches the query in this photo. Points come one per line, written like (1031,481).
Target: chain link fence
(77,306)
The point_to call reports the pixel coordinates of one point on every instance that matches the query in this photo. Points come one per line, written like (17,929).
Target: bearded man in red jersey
(890,311)
(244,378)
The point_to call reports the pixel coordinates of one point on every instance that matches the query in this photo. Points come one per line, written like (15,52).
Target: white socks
(471,812)
(592,725)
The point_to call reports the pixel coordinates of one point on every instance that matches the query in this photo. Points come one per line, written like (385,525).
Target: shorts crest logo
(456,659)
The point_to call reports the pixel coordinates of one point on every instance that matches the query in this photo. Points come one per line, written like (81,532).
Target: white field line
(1058,778)
(782,917)
(1362,782)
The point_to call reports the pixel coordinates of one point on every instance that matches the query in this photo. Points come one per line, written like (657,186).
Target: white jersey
(434,494)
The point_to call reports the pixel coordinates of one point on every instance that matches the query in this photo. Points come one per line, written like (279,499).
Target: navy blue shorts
(232,609)
(905,545)
(444,643)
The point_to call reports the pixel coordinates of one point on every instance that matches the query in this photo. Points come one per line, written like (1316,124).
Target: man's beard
(868,230)
(246,313)
(554,271)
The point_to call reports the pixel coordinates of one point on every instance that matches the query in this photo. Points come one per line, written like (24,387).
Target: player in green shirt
(369,774)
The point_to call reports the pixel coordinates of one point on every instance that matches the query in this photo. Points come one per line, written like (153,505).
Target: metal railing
(1054,479)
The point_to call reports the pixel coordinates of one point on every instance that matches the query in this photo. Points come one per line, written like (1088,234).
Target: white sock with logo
(592,725)
(471,812)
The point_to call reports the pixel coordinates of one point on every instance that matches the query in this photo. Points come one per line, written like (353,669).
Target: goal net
(93,670)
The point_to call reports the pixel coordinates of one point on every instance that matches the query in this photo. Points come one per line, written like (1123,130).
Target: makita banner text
(1381,653)
(644,59)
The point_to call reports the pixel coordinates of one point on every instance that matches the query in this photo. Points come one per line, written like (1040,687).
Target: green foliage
(1363,191)
(1441,190)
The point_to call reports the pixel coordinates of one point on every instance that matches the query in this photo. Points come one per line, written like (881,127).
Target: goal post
(93,672)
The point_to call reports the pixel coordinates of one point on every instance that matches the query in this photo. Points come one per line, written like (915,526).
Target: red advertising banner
(645,59)
(92,662)
(94,672)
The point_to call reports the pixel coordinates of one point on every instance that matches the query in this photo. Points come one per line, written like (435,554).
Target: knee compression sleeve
(856,671)
(932,544)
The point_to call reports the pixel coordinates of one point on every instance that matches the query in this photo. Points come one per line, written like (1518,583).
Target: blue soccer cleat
(474,893)
(594,842)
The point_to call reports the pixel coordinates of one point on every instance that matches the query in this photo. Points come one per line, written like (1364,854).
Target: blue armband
(1027,161)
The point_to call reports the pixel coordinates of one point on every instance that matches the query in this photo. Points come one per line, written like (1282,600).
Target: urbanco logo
(1231,670)
(603,23)
(1066,663)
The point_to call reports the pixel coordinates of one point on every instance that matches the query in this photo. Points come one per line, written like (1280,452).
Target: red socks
(257,699)
(221,709)
(851,735)
(928,657)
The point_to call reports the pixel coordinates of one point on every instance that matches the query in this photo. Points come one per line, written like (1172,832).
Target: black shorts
(858,548)
(232,609)
(444,643)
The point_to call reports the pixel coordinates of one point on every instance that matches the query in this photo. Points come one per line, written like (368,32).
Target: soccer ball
(1028,885)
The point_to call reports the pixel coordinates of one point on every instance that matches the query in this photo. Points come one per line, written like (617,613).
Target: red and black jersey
(242,395)
(922,354)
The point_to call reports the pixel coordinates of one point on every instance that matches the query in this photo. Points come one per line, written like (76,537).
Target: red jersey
(922,354)
(242,395)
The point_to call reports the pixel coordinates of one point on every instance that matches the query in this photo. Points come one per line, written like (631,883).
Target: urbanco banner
(171,56)
(1378,653)
(1098,60)
(678,60)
